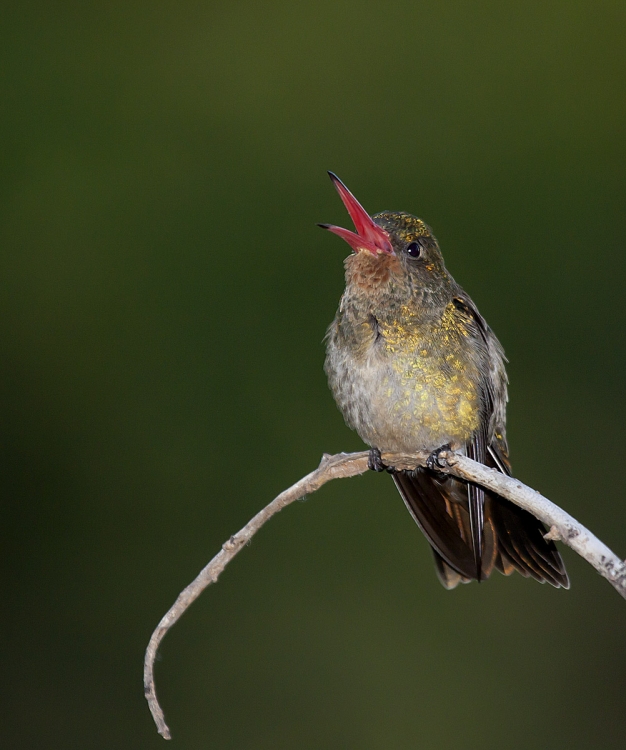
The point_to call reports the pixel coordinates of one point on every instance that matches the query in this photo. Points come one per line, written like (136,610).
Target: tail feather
(505,566)
(428,502)
(448,576)
(521,536)
(512,538)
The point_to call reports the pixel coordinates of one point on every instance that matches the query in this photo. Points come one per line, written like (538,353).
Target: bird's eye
(414,249)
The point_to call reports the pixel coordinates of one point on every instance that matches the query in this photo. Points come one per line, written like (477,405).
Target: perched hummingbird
(413,366)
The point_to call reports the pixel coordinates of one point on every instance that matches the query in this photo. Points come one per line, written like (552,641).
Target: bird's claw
(435,462)
(376,463)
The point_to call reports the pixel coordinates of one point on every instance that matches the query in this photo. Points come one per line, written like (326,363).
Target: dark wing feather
(477,447)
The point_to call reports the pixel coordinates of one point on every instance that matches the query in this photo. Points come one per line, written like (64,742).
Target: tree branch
(562,527)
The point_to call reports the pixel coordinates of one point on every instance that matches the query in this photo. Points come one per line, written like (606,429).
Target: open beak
(368,235)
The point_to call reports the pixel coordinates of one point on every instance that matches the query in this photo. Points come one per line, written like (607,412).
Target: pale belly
(406,403)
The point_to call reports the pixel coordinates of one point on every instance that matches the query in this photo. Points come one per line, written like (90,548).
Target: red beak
(368,236)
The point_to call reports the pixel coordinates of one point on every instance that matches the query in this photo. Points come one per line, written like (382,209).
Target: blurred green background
(164,297)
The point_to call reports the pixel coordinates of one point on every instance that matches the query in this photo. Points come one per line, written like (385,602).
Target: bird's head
(391,250)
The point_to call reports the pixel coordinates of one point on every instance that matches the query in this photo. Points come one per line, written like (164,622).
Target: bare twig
(562,526)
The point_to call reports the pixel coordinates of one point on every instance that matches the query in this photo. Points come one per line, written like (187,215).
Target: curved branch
(562,527)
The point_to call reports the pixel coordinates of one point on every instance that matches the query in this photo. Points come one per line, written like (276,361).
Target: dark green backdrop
(164,297)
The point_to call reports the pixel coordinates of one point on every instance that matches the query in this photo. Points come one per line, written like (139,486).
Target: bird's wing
(488,349)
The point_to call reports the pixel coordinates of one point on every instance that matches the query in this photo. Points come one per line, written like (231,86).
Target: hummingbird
(414,366)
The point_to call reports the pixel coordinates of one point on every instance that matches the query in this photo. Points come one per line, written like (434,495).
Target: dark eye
(414,249)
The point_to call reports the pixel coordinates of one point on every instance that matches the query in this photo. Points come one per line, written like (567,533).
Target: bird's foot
(376,463)
(435,462)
